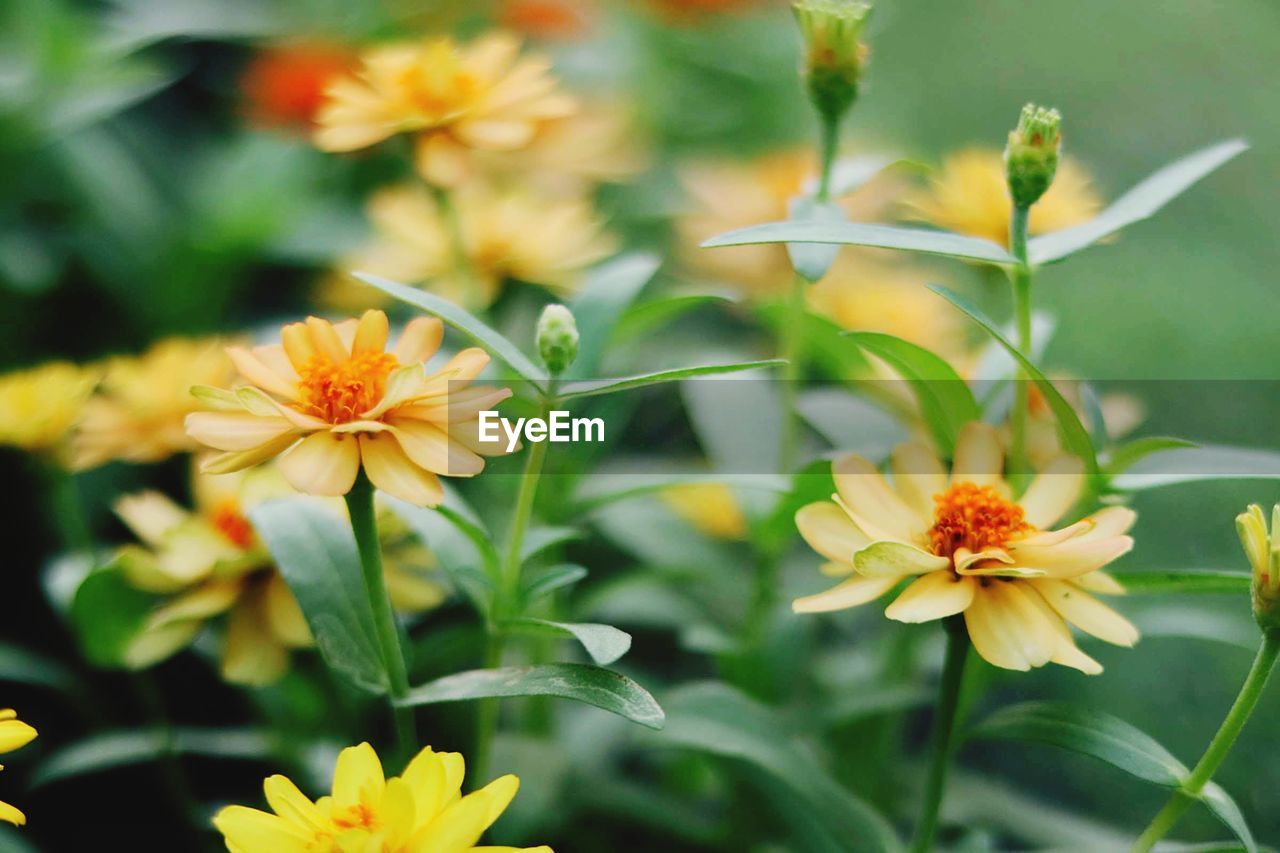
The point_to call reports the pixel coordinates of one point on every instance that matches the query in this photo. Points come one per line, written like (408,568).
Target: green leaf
(1193,464)
(109,750)
(612,386)
(536,586)
(542,539)
(464,322)
(1086,731)
(850,422)
(459,542)
(862,234)
(643,319)
(594,685)
(1137,204)
(1225,809)
(108,614)
(945,400)
(718,720)
(1180,618)
(315,551)
(609,289)
(604,643)
(25,666)
(1184,581)
(812,260)
(1131,453)
(1075,438)
(603,489)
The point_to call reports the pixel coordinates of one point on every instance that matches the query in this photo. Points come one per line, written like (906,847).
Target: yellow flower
(209,563)
(483,95)
(727,196)
(14,734)
(1263,551)
(507,236)
(712,508)
(137,413)
(332,400)
(970,195)
(39,406)
(420,811)
(968,546)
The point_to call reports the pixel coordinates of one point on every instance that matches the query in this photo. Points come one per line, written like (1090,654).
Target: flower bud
(834,52)
(557,338)
(1264,559)
(1031,158)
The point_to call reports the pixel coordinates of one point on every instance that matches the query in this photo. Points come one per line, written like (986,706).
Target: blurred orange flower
(284,85)
(564,20)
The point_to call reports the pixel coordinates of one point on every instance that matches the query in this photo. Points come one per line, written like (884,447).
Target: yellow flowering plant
(14,734)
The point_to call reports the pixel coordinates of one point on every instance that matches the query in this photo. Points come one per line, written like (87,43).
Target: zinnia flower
(970,195)
(210,563)
(14,734)
(420,811)
(505,235)
(137,413)
(483,95)
(332,400)
(967,546)
(39,406)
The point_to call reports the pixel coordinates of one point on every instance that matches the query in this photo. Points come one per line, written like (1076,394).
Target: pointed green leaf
(1184,581)
(25,666)
(594,685)
(612,386)
(1075,438)
(609,289)
(1225,809)
(536,586)
(461,545)
(1137,204)
(946,402)
(812,260)
(541,539)
(107,614)
(108,750)
(644,318)
(1131,453)
(862,234)
(464,322)
(604,643)
(1192,464)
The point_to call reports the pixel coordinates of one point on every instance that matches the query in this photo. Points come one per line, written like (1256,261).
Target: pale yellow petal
(419,340)
(1072,558)
(434,449)
(371,333)
(251,367)
(979,458)
(1099,582)
(868,496)
(1086,612)
(1053,491)
(932,596)
(234,431)
(285,615)
(918,476)
(829,531)
(850,593)
(150,515)
(1007,628)
(392,471)
(323,463)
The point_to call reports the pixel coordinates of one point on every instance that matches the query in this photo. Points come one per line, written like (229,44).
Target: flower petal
(15,734)
(829,531)
(371,333)
(460,825)
(248,829)
(357,777)
(323,463)
(932,596)
(896,560)
(979,458)
(868,496)
(1072,558)
(252,368)
(918,476)
(851,593)
(251,653)
(392,471)
(419,340)
(433,449)
(1100,582)
(227,463)
(1053,491)
(1086,612)
(1007,628)
(235,430)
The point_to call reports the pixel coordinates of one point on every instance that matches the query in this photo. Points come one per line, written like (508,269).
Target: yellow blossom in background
(40,406)
(330,400)
(970,195)
(137,413)
(420,811)
(727,196)
(507,235)
(712,508)
(14,734)
(209,564)
(455,98)
(966,545)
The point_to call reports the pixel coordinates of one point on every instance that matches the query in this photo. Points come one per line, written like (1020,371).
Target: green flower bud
(834,54)
(1031,158)
(1263,551)
(557,338)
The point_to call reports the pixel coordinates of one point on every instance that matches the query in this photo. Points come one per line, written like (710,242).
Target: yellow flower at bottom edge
(14,734)
(420,811)
(40,405)
(970,195)
(967,546)
(333,400)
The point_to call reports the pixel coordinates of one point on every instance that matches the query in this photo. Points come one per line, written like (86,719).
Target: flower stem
(68,509)
(829,142)
(944,723)
(791,348)
(1193,785)
(457,240)
(364,523)
(1022,319)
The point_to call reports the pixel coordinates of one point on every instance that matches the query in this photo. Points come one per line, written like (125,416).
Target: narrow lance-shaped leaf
(1127,455)
(612,386)
(1184,581)
(594,685)
(608,291)
(1075,438)
(863,234)
(1191,464)
(812,260)
(1137,204)
(604,643)
(464,322)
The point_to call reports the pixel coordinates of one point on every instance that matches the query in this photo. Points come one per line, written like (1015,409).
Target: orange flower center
(359,815)
(974,517)
(339,393)
(231,523)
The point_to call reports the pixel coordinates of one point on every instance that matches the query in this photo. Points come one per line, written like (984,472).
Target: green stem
(829,143)
(944,724)
(364,523)
(1193,785)
(1022,319)
(457,240)
(68,509)
(791,348)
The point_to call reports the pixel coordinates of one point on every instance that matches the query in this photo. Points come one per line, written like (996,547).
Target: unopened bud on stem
(1031,158)
(1263,552)
(834,54)
(557,338)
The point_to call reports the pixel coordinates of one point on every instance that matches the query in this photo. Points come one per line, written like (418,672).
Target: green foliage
(859,234)
(108,614)
(575,390)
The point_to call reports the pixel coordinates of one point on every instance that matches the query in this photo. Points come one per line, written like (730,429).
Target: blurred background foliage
(141,196)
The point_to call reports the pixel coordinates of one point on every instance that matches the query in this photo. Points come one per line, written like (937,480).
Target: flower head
(969,195)
(968,546)
(557,338)
(40,406)
(138,410)
(420,811)
(14,734)
(1264,558)
(284,85)
(712,508)
(333,400)
(1031,158)
(834,52)
(455,98)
